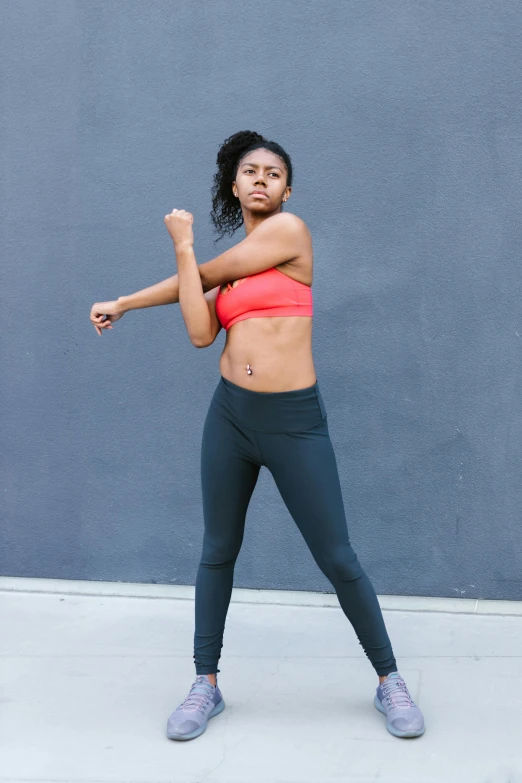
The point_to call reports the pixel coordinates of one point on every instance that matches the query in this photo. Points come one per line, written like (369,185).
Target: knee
(220,554)
(342,565)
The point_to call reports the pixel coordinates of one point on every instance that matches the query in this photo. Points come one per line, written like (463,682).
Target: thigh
(304,468)
(229,473)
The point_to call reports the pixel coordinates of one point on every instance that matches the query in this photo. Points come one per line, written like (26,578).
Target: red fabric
(269,293)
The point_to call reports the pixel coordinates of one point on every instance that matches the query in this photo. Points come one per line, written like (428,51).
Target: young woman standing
(266,409)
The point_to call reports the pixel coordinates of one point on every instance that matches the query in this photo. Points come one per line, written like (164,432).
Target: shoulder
(287,223)
(288,220)
(297,233)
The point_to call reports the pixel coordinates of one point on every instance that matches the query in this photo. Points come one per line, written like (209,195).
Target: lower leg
(212,598)
(359,603)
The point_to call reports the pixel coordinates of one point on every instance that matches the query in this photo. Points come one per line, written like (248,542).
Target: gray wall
(403,120)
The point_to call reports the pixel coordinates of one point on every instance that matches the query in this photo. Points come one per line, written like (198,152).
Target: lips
(259,193)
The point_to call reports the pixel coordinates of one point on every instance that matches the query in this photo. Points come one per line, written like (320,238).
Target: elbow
(201,343)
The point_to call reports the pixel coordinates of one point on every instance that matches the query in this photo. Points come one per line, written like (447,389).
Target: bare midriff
(278,350)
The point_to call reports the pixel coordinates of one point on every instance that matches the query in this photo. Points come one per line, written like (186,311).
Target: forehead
(262,157)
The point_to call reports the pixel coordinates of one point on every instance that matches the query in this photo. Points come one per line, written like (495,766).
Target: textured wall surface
(403,121)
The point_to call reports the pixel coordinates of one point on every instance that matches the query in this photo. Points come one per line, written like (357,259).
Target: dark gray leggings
(288,433)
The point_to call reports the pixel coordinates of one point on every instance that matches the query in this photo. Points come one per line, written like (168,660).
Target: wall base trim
(389,603)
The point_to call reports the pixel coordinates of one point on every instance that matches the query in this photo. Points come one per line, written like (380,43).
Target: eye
(248,171)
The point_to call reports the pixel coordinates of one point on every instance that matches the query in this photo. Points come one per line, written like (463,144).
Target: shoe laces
(394,690)
(198,697)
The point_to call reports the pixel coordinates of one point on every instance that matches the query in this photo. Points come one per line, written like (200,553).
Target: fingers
(97,310)
(99,325)
(181,213)
(105,325)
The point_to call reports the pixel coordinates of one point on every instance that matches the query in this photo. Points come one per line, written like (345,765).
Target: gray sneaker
(403,717)
(190,719)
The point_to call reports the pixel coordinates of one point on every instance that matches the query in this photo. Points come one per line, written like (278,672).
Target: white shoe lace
(396,693)
(198,697)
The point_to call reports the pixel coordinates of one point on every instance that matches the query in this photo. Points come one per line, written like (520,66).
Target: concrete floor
(88,681)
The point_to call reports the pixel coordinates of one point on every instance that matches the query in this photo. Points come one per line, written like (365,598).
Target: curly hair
(226,213)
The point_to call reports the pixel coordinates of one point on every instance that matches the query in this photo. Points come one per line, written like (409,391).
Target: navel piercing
(249,369)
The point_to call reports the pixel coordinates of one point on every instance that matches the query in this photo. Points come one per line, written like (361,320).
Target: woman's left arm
(279,238)
(194,306)
(192,301)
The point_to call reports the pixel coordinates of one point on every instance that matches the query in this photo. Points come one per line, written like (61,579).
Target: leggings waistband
(287,411)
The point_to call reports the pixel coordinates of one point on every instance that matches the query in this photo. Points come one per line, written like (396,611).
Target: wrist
(124,304)
(180,247)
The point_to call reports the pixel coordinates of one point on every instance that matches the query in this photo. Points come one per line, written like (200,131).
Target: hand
(113,310)
(179,225)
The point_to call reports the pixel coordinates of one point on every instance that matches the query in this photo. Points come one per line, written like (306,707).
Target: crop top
(267,294)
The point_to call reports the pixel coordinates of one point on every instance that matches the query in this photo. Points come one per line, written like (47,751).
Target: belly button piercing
(249,369)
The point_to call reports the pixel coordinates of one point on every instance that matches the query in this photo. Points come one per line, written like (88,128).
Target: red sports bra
(266,294)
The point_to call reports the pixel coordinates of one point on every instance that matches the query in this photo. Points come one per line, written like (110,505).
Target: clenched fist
(109,311)
(179,225)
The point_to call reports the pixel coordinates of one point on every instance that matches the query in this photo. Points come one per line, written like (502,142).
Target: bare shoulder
(288,221)
(299,268)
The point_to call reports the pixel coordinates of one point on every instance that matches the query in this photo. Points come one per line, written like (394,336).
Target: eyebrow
(257,164)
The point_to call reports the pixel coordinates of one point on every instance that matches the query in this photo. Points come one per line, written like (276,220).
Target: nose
(260,179)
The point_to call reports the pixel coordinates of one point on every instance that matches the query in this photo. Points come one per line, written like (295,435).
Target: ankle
(382,677)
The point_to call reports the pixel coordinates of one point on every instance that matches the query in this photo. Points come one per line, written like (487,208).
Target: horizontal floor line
(183,656)
(390,603)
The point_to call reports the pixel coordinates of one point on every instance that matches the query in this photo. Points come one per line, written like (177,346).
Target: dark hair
(226,213)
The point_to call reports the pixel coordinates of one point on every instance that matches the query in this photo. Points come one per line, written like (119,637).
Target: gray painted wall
(403,120)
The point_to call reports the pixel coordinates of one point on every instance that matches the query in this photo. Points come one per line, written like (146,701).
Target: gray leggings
(288,433)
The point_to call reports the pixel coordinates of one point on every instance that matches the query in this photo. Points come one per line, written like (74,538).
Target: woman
(267,409)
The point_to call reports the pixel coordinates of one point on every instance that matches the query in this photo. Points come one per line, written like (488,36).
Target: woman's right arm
(162,293)
(165,292)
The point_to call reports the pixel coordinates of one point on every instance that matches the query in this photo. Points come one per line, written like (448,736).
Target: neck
(251,220)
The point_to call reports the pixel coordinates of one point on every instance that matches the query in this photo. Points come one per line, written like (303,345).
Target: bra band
(269,293)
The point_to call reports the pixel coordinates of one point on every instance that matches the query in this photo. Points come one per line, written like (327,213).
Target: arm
(276,240)
(162,293)
(165,292)
(103,314)
(198,309)
(257,252)
(279,238)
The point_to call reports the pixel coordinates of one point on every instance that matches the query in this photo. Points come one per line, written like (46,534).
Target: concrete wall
(403,120)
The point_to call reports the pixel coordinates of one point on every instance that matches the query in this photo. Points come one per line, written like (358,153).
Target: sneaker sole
(215,711)
(390,728)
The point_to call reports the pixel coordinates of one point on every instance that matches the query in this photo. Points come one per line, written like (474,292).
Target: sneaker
(190,719)
(403,717)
